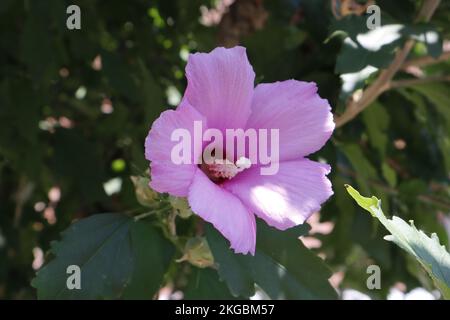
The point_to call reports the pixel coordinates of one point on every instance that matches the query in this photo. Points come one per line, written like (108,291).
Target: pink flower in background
(221,94)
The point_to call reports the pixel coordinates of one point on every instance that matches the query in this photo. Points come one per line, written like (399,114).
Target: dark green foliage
(282,266)
(118,257)
(397,149)
(205,284)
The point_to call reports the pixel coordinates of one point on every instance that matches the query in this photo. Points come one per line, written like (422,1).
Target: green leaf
(354,80)
(112,251)
(360,164)
(350,25)
(427,250)
(354,57)
(389,174)
(428,35)
(438,95)
(100,246)
(377,121)
(204,283)
(376,48)
(152,255)
(282,266)
(363,202)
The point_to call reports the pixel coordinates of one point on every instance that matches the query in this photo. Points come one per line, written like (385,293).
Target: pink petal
(225,211)
(287,198)
(220,86)
(304,120)
(166,175)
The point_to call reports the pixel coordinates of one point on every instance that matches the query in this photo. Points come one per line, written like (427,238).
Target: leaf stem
(411,82)
(143,215)
(426,60)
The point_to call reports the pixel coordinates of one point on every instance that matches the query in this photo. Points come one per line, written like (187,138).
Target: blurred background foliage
(76,106)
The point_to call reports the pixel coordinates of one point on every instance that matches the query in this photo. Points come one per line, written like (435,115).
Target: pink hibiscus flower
(221,94)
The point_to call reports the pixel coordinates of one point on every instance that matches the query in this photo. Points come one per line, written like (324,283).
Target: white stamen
(243,163)
(227,169)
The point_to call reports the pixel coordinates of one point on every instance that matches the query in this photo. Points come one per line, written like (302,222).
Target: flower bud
(144,194)
(181,206)
(197,252)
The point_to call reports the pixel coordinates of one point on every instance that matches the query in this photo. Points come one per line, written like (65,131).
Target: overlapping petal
(225,211)
(287,198)
(304,120)
(168,176)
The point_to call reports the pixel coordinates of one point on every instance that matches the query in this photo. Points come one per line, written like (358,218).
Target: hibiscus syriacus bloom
(221,94)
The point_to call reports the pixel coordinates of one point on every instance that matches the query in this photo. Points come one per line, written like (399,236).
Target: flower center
(219,170)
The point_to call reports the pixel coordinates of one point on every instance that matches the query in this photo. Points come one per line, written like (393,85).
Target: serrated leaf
(115,254)
(282,266)
(100,246)
(427,250)
(363,202)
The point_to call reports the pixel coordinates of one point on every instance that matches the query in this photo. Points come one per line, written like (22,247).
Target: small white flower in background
(259,295)
(173,95)
(54,194)
(394,294)
(38,259)
(112,186)
(80,93)
(414,294)
(351,294)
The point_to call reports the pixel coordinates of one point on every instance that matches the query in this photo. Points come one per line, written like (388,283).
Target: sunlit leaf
(427,250)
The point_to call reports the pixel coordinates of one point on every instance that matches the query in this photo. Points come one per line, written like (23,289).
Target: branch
(242,18)
(424,198)
(381,84)
(22,195)
(426,61)
(411,82)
